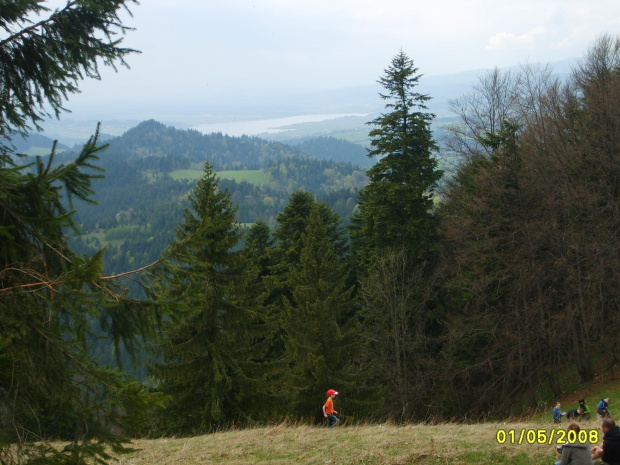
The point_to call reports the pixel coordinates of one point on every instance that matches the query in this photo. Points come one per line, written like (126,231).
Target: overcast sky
(224,50)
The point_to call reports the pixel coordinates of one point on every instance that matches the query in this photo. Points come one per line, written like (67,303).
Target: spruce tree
(396,218)
(395,208)
(267,364)
(286,255)
(292,223)
(258,245)
(51,299)
(202,357)
(322,334)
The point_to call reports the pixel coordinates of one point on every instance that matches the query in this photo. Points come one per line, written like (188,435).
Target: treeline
(530,233)
(320,176)
(479,285)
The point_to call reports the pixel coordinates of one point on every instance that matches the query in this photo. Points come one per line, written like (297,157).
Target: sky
(218,52)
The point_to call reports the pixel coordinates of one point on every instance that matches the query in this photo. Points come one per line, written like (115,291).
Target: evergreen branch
(58,281)
(71,356)
(41,283)
(52,157)
(29,29)
(137,270)
(26,227)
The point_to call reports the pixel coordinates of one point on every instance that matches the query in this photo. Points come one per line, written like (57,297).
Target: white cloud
(508,40)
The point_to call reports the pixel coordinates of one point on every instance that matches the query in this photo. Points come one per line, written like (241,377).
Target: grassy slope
(451,443)
(372,444)
(592,393)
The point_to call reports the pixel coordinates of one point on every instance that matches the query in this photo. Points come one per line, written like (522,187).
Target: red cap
(331,392)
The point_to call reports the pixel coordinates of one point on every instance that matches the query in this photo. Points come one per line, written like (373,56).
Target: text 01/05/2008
(546,436)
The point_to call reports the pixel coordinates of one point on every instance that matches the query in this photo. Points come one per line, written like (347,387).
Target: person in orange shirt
(328,409)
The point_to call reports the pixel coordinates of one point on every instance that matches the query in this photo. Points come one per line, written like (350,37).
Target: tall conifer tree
(322,335)
(267,363)
(201,365)
(395,208)
(395,217)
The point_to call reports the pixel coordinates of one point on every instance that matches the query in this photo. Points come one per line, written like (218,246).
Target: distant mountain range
(359,99)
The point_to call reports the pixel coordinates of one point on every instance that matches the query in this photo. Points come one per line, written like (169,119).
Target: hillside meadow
(373,444)
(385,443)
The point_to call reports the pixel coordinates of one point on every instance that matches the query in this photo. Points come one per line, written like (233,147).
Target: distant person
(585,410)
(609,450)
(328,409)
(575,453)
(557,413)
(573,414)
(602,409)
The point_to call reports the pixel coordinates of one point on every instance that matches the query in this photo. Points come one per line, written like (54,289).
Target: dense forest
(418,296)
(139,201)
(448,320)
(328,148)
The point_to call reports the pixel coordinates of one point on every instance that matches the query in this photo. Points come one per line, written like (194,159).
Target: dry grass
(287,444)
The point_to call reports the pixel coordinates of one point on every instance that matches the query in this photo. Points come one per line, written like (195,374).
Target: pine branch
(28,30)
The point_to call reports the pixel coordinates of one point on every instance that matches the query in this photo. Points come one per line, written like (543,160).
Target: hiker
(602,409)
(609,450)
(328,409)
(573,414)
(557,413)
(585,410)
(574,453)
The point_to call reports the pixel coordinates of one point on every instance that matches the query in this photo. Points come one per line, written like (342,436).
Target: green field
(256,177)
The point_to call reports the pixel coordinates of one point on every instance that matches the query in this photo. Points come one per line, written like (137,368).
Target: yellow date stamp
(546,436)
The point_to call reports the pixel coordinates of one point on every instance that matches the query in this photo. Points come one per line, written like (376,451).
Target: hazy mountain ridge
(270,104)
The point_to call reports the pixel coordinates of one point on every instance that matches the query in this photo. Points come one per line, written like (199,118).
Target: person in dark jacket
(573,414)
(585,410)
(609,451)
(602,409)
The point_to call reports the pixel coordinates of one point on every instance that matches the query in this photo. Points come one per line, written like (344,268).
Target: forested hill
(329,148)
(154,138)
(150,170)
(224,152)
